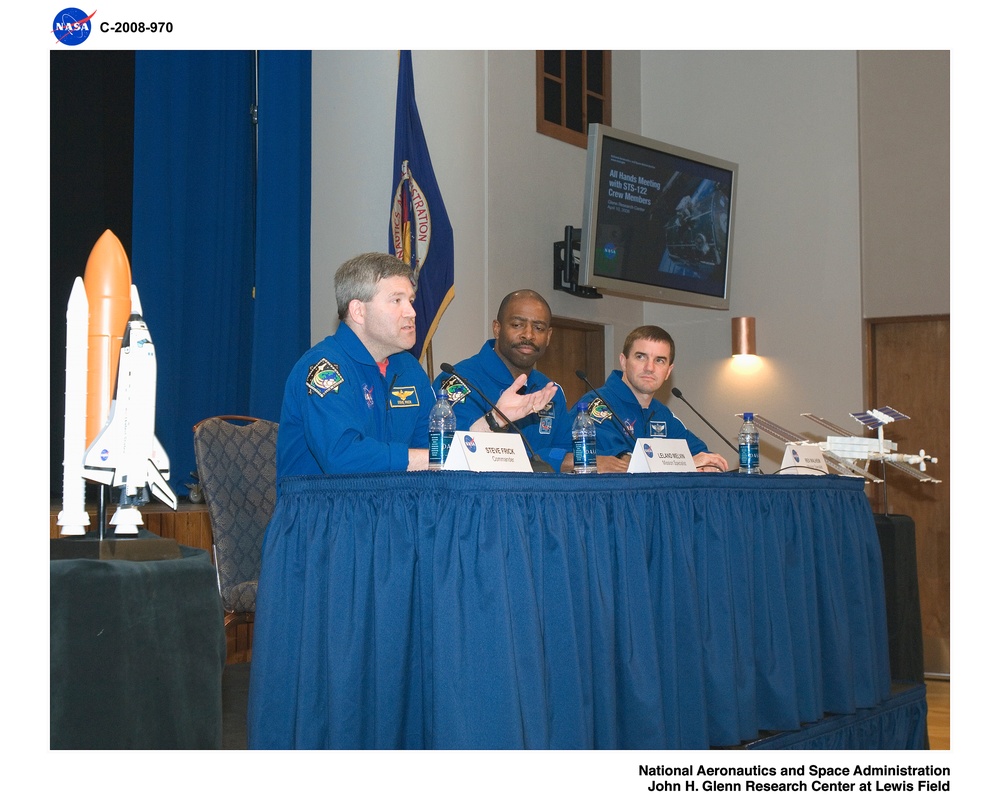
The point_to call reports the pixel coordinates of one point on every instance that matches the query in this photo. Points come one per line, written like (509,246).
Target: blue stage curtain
(195,227)
(281,326)
(461,610)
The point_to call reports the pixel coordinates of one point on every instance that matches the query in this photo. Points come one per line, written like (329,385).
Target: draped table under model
(467,610)
(136,648)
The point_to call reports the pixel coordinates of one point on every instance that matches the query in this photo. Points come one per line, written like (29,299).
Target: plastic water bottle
(441,431)
(584,441)
(749,440)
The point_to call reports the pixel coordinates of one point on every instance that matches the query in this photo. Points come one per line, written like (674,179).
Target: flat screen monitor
(657,220)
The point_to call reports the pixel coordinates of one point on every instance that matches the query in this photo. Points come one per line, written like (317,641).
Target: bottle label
(749,457)
(584,455)
(440,444)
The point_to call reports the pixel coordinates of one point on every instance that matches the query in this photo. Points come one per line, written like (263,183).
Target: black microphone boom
(677,393)
(582,376)
(537,464)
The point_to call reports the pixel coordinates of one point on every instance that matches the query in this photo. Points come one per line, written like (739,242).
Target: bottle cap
(747,416)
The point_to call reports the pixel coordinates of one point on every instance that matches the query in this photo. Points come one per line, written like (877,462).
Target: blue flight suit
(340,415)
(549,432)
(656,422)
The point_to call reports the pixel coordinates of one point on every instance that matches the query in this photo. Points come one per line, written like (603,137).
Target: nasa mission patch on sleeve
(324,376)
(454,389)
(598,411)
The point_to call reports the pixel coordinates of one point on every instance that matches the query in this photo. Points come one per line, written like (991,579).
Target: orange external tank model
(107,280)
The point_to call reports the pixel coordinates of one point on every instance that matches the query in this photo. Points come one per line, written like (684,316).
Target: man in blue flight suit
(646,360)
(521,331)
(358,401)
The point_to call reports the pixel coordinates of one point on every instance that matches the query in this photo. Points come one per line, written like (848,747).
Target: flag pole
(430,359)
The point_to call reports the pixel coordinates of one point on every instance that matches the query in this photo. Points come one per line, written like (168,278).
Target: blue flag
(419,228)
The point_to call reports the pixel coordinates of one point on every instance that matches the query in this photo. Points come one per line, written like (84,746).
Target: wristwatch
(496,427)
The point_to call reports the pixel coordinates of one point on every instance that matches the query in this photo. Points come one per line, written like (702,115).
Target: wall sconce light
(744,336)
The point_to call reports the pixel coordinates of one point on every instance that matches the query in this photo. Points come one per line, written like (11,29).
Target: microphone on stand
(677,393)
(583,377)
(537,463)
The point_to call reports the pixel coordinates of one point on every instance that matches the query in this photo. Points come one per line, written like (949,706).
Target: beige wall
(354,106)
(904,134)
(790,119)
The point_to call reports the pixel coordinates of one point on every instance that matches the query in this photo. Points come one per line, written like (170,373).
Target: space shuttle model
(110,396)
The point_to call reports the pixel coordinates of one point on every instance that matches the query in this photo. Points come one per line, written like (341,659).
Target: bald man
(521,332)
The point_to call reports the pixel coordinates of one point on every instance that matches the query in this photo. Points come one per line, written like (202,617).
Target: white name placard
(661,455)
(803,459)
(487,452)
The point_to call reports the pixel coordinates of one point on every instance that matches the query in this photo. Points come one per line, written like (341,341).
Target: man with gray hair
(358,401)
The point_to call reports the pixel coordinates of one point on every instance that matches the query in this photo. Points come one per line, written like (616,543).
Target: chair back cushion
(236,468)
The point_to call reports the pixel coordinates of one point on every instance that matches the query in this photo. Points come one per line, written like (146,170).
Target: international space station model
(110,396)
(853,455)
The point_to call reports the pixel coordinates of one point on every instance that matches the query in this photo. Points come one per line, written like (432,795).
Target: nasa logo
(470,443)
(610,251)
(410,221)
(647,450)
(72,26)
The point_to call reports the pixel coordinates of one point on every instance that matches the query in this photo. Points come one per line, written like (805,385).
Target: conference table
(463,610)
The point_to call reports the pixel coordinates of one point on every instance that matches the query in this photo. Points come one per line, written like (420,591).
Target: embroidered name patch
(322,377)
(404,397)
(658,429)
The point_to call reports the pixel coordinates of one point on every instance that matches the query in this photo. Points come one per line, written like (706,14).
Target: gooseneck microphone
(583,377)
(677,393)
(537,463)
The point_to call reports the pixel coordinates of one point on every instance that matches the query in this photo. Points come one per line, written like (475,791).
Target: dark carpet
(235,684)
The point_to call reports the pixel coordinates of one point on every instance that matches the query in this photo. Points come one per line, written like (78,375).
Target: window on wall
(573,89)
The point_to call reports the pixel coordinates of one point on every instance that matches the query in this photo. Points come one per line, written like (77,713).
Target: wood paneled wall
(908,360)
(576,344)
(189,525)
